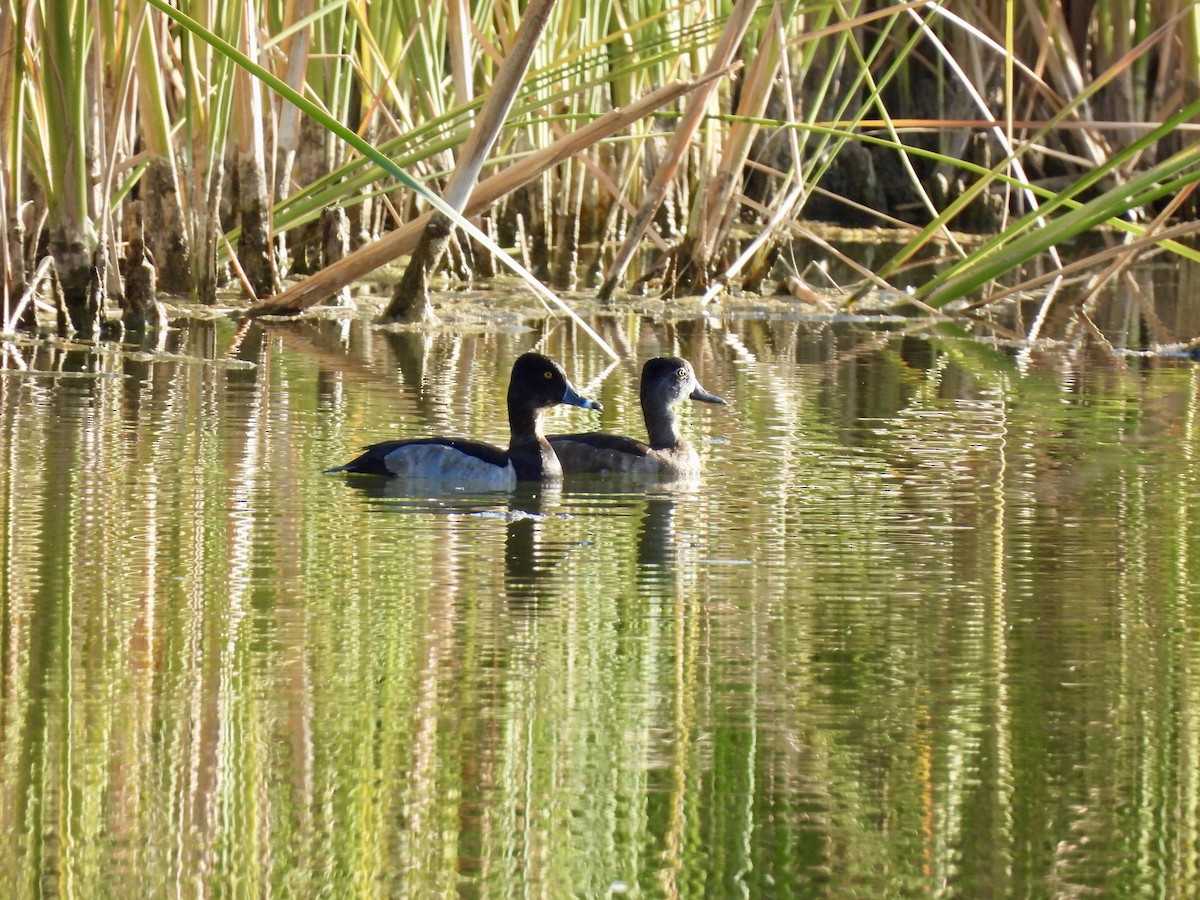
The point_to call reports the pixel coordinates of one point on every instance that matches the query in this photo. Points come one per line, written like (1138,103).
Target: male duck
(665,381)
(537,383)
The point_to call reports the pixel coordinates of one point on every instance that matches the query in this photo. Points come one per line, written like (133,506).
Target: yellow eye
(547,374)
(681,374)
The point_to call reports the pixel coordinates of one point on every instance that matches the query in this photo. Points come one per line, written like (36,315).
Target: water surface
(927,624)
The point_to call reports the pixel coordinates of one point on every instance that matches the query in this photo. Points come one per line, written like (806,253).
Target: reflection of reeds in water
(832,663)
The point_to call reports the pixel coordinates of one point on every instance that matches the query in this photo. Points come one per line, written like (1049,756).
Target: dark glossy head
(538,383)
(668,379)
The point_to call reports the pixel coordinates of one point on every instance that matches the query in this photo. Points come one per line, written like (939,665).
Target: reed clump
(160,142)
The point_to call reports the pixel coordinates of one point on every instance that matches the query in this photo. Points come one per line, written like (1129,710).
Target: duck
(666,380)
(537,384)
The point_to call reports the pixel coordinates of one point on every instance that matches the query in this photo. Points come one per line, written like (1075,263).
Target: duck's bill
(574,398)
(704,396)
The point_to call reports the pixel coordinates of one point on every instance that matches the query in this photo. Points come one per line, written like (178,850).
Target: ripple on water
(916,629)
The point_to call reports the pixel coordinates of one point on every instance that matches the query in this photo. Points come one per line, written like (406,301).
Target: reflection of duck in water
(532,565)
(537,383)
(657,543)
(666,380)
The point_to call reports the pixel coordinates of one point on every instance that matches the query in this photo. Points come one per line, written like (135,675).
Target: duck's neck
(530,452)
(662,426)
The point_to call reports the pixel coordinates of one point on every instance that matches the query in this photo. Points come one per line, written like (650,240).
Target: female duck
(537,383)
(665,381)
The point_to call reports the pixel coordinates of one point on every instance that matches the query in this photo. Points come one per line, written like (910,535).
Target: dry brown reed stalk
(288,130)
(12,250)
(719,62)
(709,228)
(316,288)
(165,221)
(254,250)
(410,301)
(458,36)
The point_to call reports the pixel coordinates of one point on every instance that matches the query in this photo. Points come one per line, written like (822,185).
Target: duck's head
(668,379)
(539,383)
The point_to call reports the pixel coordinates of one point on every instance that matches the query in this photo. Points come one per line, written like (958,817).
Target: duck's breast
(678,462)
